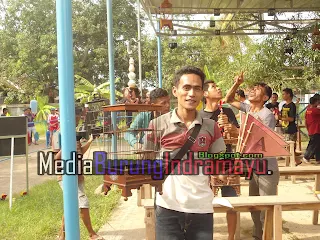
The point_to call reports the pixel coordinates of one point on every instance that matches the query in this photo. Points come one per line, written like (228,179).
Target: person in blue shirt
(31,126)
(158,96)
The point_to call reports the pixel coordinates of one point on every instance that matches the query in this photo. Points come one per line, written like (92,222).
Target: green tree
(43,108)
(28,55)
(85,91)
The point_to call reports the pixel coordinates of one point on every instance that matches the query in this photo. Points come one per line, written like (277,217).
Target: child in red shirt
(313,127)
(53,123)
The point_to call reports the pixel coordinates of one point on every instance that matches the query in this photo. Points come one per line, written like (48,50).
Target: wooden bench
(305,171)
(273,205)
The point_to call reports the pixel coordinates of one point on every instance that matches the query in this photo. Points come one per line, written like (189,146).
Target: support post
(67,113)
(277,222)
(139,47)
(11,172)
(111,72)
(315,215)
(268,225)
(238,235)
(27,160)
(159,57)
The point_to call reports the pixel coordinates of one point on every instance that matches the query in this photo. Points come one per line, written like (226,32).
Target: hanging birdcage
(316,38)
(93,117)
(316,65)
(166,15)
(288,49)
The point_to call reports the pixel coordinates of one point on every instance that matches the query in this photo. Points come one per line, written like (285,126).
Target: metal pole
(11,172)
(139,47)
(67,110)
(27,158)
(111,71)
(159,58)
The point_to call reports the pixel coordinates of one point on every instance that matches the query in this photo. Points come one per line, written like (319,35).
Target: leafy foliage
(43,108)
(28,56)
(85,91)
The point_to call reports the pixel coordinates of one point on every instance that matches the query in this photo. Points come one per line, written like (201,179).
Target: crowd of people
(178,212)
(184,210)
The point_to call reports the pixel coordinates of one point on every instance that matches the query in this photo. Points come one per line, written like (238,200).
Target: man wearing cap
(31,126)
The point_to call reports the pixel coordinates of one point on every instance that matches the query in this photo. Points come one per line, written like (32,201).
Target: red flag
(261,141)
(251,119)
(276,137)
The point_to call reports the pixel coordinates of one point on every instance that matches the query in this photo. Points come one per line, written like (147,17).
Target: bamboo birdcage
(118,147)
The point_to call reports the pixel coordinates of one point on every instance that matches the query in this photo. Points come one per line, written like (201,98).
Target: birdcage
(93,118)
(316,38)
(129,165)
(288,41)
(166,15)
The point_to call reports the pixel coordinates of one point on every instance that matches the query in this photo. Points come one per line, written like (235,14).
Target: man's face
(285,96)
(148,97)
(274,98)
(5,111)
(213,92)
(165,102)
(257,94)
(189,91)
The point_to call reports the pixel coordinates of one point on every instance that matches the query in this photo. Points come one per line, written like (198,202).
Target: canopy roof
(231,6)
(254,24)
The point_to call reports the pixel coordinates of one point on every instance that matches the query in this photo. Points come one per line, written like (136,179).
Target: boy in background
(82,198)
(313,126)
(288,118)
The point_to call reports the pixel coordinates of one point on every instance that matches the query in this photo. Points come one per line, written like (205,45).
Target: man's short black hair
(275,94)
(316,96)
(313,100)
(206,84)
(241,93)
(288,91)
(157,93)
(267,89)
(5,109)
(188,70)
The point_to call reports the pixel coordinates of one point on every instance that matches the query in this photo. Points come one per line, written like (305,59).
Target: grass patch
(38,215)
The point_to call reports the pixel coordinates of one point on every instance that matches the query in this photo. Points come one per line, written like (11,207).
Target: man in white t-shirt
(184,210)
(259,185)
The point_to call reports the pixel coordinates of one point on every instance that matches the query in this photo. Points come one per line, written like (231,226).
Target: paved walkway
(127,220)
